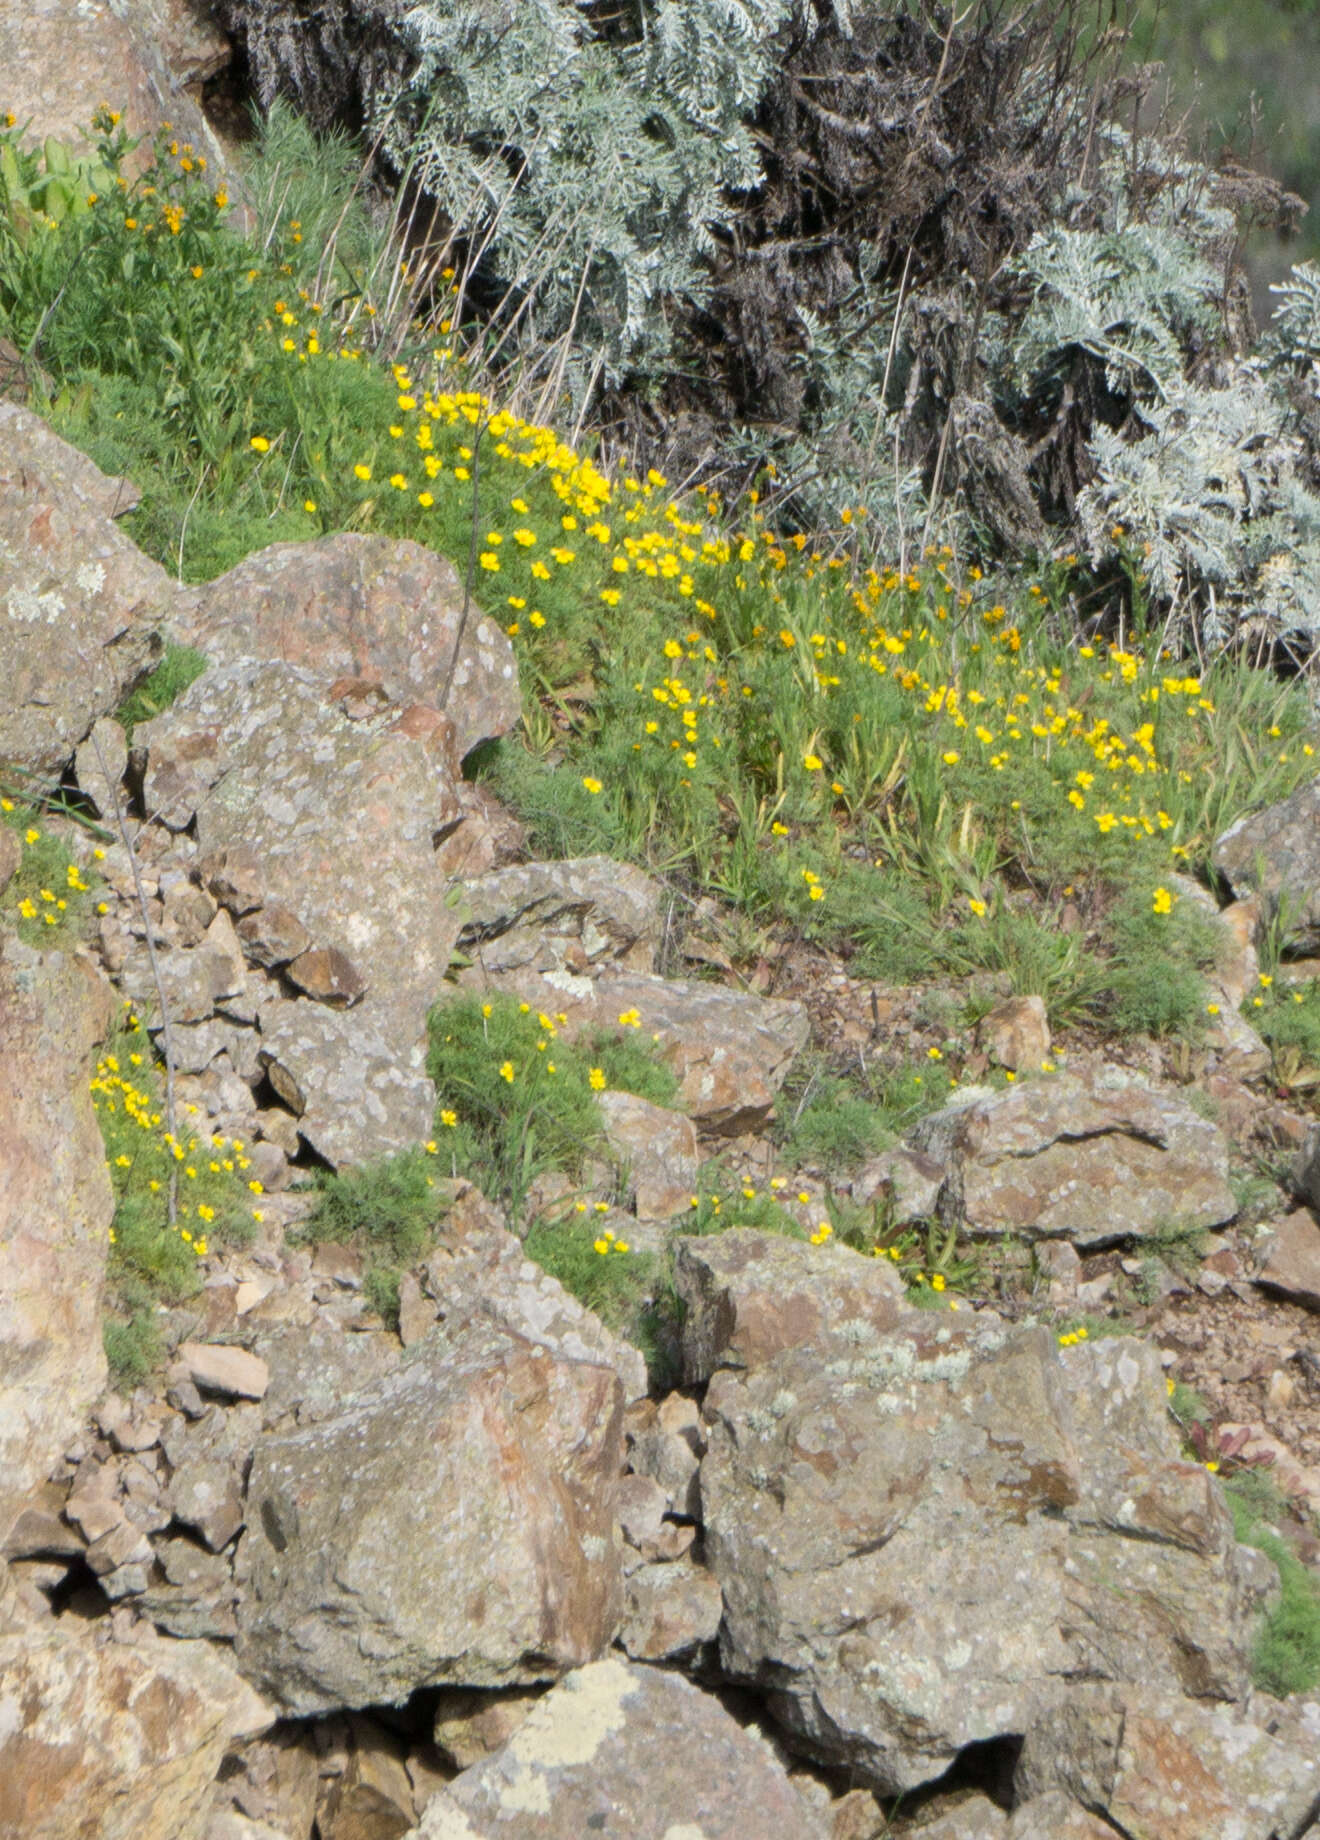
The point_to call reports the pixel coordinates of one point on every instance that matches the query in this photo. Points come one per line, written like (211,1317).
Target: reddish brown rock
(62,59)
(80,606)
(1292,1264)
(366,1566)
(55,1211)
(1093,1157)
(379,612)
(123,1742)
(749,1296)
(328,975)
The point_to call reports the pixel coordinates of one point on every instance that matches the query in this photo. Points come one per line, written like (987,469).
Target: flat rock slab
(1095,1158)
(381,610)
(1276,853)
(80,606)
(56,1206)
(1166,1768)
(748,1296)
(217,1367)
(579,915)
(620,1749)
(1292,1265)
(921,1535)
(452,1524)
(730,1051)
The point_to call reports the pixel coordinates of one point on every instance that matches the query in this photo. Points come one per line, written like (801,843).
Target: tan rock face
(923,1535)
(451,1524)
(80,606)
(616,1747)
(119,1741)
(55,1211)
(1017,1034)
(63,60)
(329,825)
(1092,1158)
(658,1148)
(1179,1769)
(382,611)
(1275,854)
(750,1295)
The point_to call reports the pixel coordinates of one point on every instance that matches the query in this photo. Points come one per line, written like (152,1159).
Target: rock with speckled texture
(747,1296)
(1071,1538)
(116,1740)
(80,605)
(618,1748)
(272,772)
(1168,1768)
(382,611)
(56,1206)
(581,915)
(1093,1157)
(452,1524)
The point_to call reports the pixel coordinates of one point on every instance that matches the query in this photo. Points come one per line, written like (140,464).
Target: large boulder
(80,606)
(620,1749)
(579,915)
(1161,1767)
(382,611)
(114,1740)
(1095,1157)
(748,1296)
(729,1050)
(1276,853)
(55,1211)
(452,1524)
(284,789)
(923,1534)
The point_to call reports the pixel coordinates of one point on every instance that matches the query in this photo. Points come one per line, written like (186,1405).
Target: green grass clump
(1287,1018)
(179,666)
(834,1128)
(516,1099)
(390,1208)
(1286,1657)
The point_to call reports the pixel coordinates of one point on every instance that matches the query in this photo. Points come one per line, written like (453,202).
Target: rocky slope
(475,1577)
